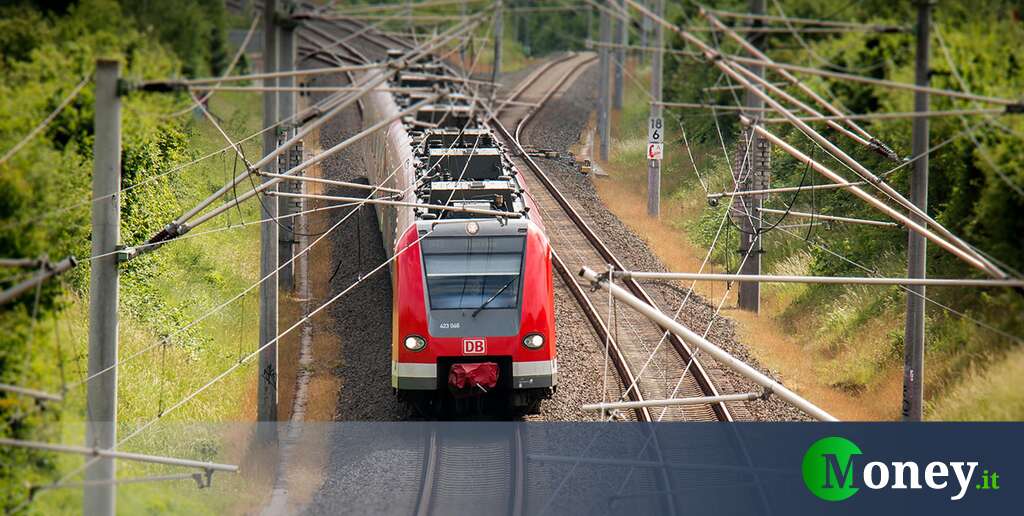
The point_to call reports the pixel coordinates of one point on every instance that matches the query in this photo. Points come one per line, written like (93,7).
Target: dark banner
(697,468)
(527,468)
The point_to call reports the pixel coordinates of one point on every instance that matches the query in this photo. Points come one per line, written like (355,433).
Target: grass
(192,277)
(840,346)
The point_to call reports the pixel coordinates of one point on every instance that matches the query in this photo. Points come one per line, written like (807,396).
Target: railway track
(466,470)
(631,337)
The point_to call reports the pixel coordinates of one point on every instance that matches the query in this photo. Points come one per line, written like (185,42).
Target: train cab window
(473,273)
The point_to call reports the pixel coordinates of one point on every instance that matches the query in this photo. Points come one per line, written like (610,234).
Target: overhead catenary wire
(113,454)
(309,111)
(371,8)
(261,187)
(796,31)
(46,121)
(790,24)
(892,115)
(963,86)
(832,280)
(229,69)
(874,272)
(873,201)
(241,294)
(723,62)
(175,226)
(808,21)
(831,217)
(753,50)
(776,65)
(785,189)
(258,76)
(298,323)
(31,393)
(736,181)
(47,271)
(389,202)
(703,344)
(707,330)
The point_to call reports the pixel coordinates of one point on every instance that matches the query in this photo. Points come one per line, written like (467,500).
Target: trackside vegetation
(45,194)
(850,338)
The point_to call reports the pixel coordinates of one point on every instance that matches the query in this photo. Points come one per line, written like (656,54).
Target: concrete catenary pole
(602,85)
(590,22)
(620,55)
(752,166)
(266,409)
(913,336)
(101,402)
(285,110)
(499,34)
(654,165)
(645,29)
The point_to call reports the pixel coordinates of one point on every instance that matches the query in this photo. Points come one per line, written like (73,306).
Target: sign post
(655,153)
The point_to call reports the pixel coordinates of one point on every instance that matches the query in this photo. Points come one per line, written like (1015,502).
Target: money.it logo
(828,468)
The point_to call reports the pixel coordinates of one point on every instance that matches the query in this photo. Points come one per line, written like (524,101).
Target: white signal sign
(655,130)
(655,151)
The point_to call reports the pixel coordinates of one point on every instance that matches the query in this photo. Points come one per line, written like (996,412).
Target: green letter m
(836,455)
(832,467)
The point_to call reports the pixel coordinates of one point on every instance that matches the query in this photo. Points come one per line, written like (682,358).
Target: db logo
(474,347)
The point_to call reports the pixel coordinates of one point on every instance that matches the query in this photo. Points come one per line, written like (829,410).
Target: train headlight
(472,228)
(415,343)
(534,341)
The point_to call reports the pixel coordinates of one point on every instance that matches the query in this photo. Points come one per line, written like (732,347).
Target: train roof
(460,164)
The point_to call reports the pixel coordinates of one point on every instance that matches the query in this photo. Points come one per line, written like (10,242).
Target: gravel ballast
(559,126)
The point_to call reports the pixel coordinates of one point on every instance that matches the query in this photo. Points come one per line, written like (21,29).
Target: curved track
(633,338)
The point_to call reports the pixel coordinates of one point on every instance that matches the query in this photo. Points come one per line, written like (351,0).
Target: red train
(473,316)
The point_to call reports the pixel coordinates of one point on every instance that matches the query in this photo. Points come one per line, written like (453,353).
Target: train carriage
(473,315)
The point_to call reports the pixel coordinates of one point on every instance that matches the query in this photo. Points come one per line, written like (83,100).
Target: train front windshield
(473,273)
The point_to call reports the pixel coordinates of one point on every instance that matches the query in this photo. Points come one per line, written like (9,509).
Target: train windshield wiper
(495,296)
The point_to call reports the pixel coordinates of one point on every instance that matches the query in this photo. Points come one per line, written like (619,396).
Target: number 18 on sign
(655,138)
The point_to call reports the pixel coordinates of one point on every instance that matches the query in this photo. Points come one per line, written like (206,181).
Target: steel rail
(430,466)
(429,496)
(615,353)
(618,359)
(700,374)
